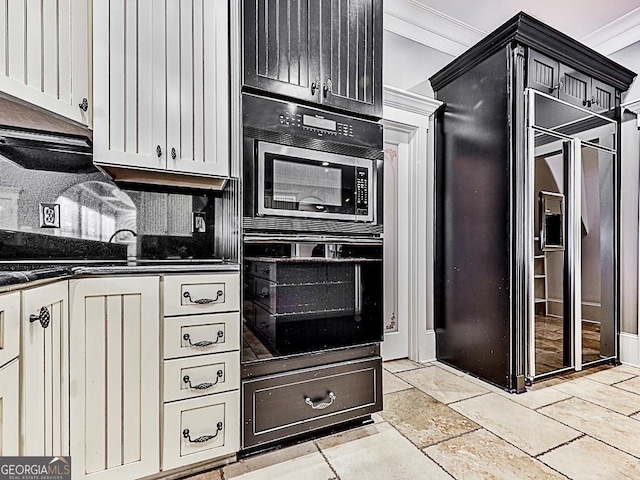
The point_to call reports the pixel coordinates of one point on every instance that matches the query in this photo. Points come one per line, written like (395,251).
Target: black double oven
(312,270)
(312,246)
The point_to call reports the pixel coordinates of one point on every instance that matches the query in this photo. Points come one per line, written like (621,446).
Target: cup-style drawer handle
(263,270)
(264,325)
(203,301)
(203,343)
(205,385)
(321,405)
(203,438)
(44,317)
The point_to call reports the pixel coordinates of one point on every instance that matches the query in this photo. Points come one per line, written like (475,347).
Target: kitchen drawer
(280,406)
(9,327)
(201,429)
(249,313)
(265,324)
(200,334)
(290,273)
(186,294)
(197,376)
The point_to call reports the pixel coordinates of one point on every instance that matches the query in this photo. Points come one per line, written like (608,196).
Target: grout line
(337,477)
(560,446)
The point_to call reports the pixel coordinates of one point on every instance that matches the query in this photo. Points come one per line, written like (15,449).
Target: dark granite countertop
(16,276)
(311,260)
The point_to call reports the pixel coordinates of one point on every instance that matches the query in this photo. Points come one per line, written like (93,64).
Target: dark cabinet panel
(575,87)
(544,73)
(352,55)
(280,37)
(603,96)
(326,52)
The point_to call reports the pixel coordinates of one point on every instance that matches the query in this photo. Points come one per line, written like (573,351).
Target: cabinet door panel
(351,52)
(9,327)
(129,90)
(603,96)
(114,328)
(281,45)
(45,368)
(543,73)
(576,87)
(44,59)
(9,410)
(197,87)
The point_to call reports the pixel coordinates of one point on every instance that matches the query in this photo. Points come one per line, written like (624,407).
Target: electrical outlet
(199,222)
(49,215)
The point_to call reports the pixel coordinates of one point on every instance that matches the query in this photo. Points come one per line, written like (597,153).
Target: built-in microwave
(309,170)
(298,182)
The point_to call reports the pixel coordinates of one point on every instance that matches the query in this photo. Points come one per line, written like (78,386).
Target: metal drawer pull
(203,438)
(263,270)
(44,317)
(203,343)
(203,301)
(322,405)
(264,325)
(202,386)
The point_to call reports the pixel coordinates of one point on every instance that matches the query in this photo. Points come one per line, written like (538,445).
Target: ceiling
(576,18)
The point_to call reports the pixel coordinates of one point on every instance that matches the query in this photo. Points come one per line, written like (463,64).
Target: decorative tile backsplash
(55,215)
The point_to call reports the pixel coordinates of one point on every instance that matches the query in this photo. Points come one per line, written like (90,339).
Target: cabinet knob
(159,151)
(174,154)
(327,88)
(44,317)
(315,86)
(84,105)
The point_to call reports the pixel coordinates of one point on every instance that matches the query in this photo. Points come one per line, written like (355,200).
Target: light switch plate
(49,215)
(199,222)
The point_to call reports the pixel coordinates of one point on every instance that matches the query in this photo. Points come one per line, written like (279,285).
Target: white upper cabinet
(44,55)
(161,85)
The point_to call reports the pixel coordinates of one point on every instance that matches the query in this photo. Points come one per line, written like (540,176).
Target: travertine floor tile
(446,367)
(598,422)
(422,419)
(537,398)
(385,456)
(632,385)
(604,395)
(589,459)
(442,385)
(267,461)
(612,375)
(636,416)
(481,455)
(395,366)
(391,383)
(348,436)
(518,425)
(210,475)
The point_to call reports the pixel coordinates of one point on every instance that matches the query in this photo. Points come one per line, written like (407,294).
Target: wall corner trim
(409,101)
(630,349)
(616,35)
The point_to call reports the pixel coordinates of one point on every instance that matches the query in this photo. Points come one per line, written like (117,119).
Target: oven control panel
(279,116)
(362,191)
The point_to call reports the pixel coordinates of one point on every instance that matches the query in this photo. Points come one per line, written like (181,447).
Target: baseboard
(630,349)
(427,346)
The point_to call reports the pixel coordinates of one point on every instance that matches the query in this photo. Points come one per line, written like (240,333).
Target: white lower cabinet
(45,370)
(9,409)
(201,429)
(115,377)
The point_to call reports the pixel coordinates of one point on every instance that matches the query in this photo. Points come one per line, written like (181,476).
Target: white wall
(630,58)
(408,64)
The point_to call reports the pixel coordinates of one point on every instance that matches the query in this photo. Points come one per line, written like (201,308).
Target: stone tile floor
(439,423)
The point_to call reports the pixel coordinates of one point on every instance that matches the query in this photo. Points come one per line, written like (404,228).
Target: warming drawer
(292,403)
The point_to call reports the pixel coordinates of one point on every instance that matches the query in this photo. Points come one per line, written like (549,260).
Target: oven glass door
(298,182)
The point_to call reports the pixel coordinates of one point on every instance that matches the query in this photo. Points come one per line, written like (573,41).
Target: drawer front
(289,404)
(9,327)
(201,334)
(249,313)
(265,324)
(197,376)
(201,429)
(264,270)
(187,294)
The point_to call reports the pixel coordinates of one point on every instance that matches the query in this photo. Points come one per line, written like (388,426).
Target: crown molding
(633,106)
(409,101)
(420,23)
(616,35)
